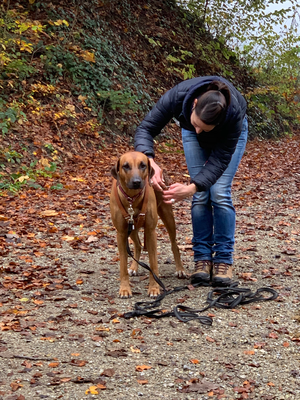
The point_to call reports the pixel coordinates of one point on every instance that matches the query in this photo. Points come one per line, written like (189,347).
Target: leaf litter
(62,331)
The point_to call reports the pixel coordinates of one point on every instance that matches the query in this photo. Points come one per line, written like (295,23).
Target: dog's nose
(136,183)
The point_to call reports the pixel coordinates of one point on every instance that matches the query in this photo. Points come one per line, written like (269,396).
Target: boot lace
(221,268)
(202,265)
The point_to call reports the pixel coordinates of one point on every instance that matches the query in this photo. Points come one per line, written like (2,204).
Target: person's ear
(194,104)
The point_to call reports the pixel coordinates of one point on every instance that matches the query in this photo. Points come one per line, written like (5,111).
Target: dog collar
(129,215)
(128,198)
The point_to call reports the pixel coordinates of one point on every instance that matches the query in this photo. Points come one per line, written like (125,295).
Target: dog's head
(132,170)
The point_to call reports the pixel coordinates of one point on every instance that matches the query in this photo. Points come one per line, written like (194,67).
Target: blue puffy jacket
(221,141)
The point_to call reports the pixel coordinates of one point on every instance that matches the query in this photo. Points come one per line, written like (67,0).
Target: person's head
(209,109)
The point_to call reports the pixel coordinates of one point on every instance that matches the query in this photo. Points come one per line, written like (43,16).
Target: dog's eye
(143,166)
(126,167)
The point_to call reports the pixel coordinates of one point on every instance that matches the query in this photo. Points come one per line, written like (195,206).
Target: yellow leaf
(24,299)
(100,328)
(31,1)
(82,98)
(44,162)
(60,22)
(78,179)
(88,56)
(25,46)
(23,178)
(92,390)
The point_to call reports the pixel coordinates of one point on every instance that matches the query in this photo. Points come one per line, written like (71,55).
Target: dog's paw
(181,274)
(132,272)
(153,292)
(125,293)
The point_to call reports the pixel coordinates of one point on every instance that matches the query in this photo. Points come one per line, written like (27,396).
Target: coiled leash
(227,298)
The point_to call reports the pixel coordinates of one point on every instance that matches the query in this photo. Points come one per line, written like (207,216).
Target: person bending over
(212,115)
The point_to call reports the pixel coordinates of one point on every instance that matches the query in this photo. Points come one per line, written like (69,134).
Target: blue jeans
(213,214)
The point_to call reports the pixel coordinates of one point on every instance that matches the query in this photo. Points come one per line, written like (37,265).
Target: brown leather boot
(202,272)
(221,274)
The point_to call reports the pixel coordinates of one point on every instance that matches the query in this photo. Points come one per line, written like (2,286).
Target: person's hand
(178,191)
(157,179)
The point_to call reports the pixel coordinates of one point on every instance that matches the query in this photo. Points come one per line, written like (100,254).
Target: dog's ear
(151,171)
(115,169)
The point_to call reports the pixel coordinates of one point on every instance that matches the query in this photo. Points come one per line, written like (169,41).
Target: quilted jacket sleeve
(155,121)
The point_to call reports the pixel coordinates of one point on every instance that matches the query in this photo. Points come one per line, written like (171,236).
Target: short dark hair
(212,105)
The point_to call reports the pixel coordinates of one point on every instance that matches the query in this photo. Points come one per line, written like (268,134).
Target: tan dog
(132,197)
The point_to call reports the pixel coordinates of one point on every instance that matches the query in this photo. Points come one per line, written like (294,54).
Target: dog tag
(131,213)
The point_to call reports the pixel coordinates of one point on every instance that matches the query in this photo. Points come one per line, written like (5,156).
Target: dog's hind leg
(166,214)
(137,253)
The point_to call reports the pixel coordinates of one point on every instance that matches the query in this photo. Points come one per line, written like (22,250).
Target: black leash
(227,298)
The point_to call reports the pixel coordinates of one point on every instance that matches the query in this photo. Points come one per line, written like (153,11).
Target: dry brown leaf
(48,213)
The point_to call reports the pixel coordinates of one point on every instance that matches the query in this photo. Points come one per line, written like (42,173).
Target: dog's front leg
(125,290)
(151,243)
(137,253)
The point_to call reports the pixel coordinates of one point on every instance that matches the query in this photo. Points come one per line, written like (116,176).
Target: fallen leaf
(78,363)
(53,365)
(49,213)
(15,385)
(101,328)
(141,368)
(109,372)
(92,390)
(259,345)
(135,332)
(134,350)
(68,238)
(249,352)
(273,335)
(91,239)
